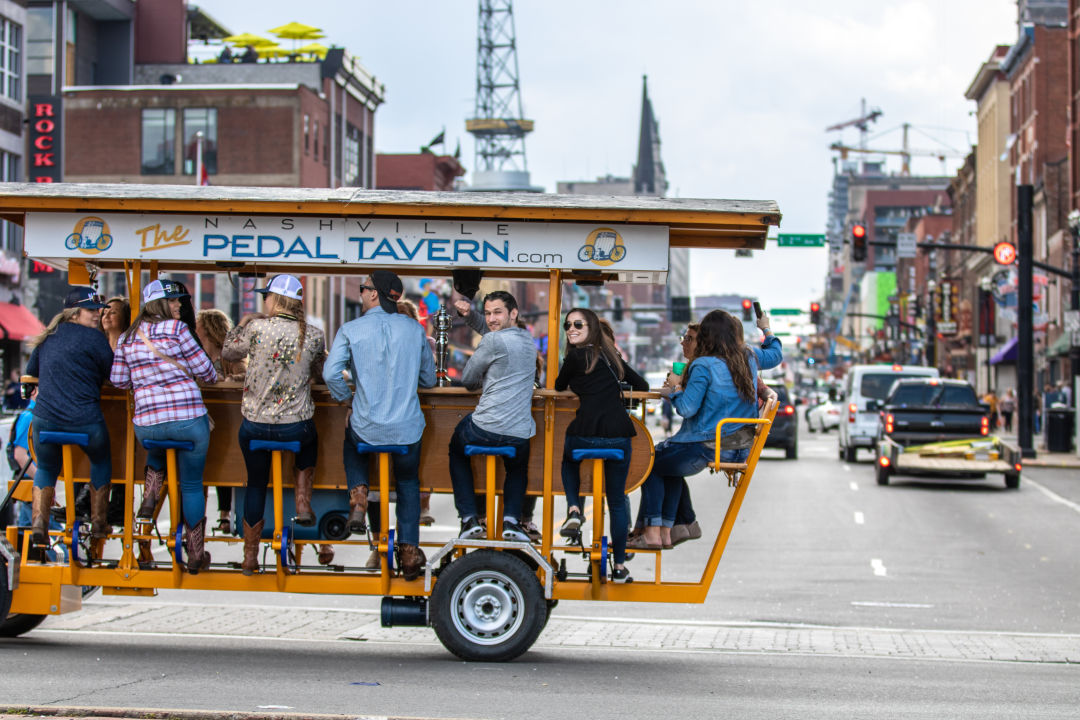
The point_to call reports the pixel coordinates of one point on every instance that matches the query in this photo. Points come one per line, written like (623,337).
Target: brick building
(420,171)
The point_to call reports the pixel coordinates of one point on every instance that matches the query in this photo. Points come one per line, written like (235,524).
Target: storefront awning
(1060,346)
(1006,354)
(18,323)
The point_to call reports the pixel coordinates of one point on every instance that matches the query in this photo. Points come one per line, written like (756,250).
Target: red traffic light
(1005,253)
(858,231)
(747,304)
(814,307)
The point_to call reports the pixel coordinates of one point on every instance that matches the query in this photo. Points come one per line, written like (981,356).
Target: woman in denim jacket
(720,383)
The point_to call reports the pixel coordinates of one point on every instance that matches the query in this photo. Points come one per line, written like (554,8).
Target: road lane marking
(853,485)
(1053,495)
(859,519)
(848,468)
(878,567)
(871,603)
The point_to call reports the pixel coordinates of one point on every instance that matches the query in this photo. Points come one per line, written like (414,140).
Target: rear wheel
(488,606)
(20,624)
(849,454)
(792,450)
(1012,480)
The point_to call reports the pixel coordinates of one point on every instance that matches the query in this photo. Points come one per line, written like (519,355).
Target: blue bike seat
(292,446)
(365,449)
(501,450)
(168,444)
(597,454)
(53,437)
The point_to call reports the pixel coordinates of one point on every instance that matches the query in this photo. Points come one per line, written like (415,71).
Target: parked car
(863,384)
(784,432)
(823,416)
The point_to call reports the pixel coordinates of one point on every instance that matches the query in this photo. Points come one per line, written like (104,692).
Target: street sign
(785,311)
(1005,253)
(744,252)
(906,245)
(800,240)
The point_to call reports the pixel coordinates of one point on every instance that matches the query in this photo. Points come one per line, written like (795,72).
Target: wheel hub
(487,607)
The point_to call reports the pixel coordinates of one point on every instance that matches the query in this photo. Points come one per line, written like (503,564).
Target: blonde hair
(216,324)
(153,311)
(65,315)
(408,307)
(292,306)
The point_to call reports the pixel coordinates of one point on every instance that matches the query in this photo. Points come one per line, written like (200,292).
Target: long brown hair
(153,311)
(721,336)
(294,308)
(696,328)
(216,324)
(596,339)
(66,315)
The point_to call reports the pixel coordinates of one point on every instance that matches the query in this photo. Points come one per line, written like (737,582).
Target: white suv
(863,383)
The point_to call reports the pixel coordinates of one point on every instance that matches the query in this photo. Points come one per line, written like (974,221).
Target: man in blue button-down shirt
(388,357)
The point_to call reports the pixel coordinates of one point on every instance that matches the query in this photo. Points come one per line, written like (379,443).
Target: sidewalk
(1044,458)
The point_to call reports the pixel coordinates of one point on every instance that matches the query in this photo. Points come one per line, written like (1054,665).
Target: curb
(21,712)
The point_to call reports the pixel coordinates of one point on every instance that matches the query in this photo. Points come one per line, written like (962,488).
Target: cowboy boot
(39,513)
(198,558)
(146,556)
(252,537)
(326,554)
(412,561)
(153,486)
(304,479)
(358,509)
(99,512)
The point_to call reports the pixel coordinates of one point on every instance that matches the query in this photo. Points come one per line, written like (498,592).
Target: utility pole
(1025,360)
(1074,347)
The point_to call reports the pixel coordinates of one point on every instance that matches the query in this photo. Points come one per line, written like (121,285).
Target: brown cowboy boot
(358,509)
(99,512)
(153,486)
(198,558)
(252,537)
(326,554)
(39,513)
(412,561)
(304,479)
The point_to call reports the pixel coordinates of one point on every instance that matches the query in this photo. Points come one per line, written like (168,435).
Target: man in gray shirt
(504,365)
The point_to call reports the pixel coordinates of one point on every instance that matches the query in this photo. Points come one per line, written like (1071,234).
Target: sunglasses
(367,287)
(579,324)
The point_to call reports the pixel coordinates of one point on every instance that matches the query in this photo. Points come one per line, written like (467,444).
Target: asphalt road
(926,598)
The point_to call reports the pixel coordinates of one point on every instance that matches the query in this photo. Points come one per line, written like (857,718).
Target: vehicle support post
(1024,322)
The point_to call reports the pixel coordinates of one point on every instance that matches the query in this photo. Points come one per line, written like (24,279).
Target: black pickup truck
(939,427)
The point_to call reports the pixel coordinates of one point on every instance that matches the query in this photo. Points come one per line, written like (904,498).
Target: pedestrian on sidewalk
(1008,407)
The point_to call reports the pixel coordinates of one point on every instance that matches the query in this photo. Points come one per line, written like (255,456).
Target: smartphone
(757,309)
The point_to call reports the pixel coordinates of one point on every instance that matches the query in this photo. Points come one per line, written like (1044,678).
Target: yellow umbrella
(267,51)
(298,31)
(313,49)
(245,39)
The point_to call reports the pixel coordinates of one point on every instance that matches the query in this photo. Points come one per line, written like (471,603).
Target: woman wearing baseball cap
(71,359)
(160,360)
(283,354)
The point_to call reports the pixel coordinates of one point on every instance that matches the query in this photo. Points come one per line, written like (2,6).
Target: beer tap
(443,324)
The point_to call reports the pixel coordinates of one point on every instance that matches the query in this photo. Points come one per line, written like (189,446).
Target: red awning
(18,323)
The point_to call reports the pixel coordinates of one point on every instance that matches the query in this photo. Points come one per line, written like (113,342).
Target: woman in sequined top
(283,354)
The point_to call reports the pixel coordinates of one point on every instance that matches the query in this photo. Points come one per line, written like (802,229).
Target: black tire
(20,624)
(5,591)
(849,454)
(792,451)
(883,474)
(488,606)
(840,452)
(1012,480)
(810,426)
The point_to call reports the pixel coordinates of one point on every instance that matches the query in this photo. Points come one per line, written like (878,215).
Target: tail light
(889,421)
(851,412)
(984,425)
(1017,466)
(789,410)
(884,461)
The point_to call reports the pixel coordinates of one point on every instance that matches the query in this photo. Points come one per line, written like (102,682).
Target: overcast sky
(743,92)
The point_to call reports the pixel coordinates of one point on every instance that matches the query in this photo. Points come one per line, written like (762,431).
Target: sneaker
(621,575)
(571,528)
(532,531)
(514,531)
(471,528)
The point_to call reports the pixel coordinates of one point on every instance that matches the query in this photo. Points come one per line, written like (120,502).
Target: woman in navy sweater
(593,369)
(71,360)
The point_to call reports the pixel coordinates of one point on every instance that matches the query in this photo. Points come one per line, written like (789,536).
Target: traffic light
(858,243)
(617,312)
(747,310)
(680,309)
(815,313)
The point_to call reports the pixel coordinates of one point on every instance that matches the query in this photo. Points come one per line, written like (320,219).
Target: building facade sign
(306,240)
(45,152)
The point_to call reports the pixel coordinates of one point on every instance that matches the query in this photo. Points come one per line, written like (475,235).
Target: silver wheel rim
(487,607)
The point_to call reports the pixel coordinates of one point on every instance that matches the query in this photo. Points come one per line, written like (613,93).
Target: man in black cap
(388,356)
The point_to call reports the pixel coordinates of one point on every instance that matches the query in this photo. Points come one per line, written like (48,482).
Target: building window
(200,120)
(10,233)
(350,175)
(159,142)
(307,134)
(10,59)
(315,134)
(39,41)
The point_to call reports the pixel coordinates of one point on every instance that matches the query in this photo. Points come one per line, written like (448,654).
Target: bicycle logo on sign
(90,236)
(603,246)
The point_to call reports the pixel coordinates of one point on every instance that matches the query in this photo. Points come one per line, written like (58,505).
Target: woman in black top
(593,369)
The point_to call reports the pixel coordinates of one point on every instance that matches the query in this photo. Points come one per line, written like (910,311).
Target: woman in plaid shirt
(159,358)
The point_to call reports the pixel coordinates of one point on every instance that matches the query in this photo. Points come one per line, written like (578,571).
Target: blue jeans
(406,482)
(615,472)
(461,475)
(258,461)
(673,462)
(190,463)
(50,457)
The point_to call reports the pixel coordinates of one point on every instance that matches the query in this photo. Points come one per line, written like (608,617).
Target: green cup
(678,368)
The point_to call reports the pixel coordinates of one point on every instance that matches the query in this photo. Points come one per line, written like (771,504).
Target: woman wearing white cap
(284,353)
(159,358)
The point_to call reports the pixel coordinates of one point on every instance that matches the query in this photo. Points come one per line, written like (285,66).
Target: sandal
(639,543)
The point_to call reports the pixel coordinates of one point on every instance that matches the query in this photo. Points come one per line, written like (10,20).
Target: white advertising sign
(307,240)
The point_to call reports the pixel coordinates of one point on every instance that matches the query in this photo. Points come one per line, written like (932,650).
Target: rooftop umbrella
(314,49)
(245,39)
(298,31)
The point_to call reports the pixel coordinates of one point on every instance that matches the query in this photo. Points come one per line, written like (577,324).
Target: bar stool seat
(292,446)
(150,444)
(55,437)
(500,450)
(364,448)
(597,454)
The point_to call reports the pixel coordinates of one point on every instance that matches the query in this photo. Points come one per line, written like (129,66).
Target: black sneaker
(621,575)
(515,532)
(571,528)
(471,528)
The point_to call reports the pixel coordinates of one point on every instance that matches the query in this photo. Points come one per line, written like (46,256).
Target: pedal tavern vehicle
(486,598)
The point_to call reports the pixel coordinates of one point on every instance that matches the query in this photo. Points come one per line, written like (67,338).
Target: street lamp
(931,325)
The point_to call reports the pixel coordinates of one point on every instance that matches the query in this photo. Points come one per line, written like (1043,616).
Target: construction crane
(905,152)
(862,122)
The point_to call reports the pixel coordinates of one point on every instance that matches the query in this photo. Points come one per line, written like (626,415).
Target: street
(926,598)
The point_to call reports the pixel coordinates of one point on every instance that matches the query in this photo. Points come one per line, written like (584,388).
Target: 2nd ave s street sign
(799,240)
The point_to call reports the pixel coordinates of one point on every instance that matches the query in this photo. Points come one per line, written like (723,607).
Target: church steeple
(649,177)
